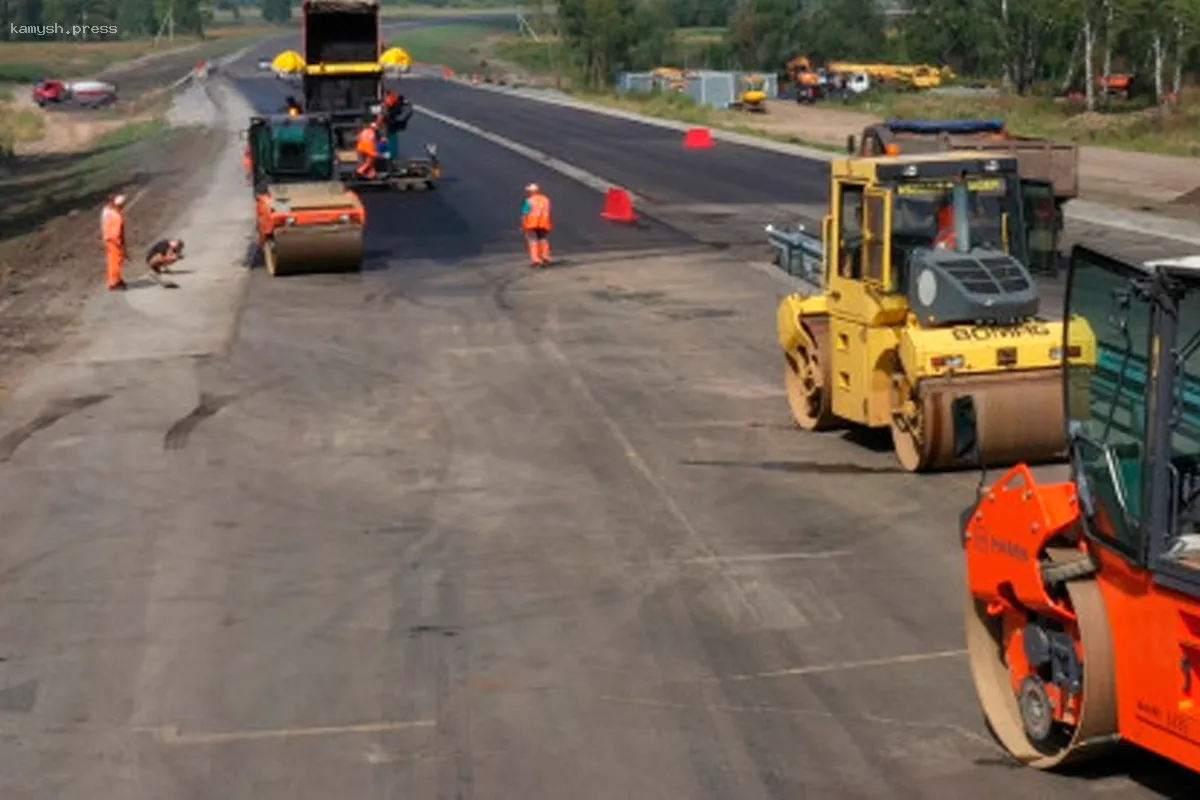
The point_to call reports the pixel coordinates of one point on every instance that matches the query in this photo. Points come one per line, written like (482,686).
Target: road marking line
(665,705)
(170,735)
(588,179)
(817,669)
(757,559)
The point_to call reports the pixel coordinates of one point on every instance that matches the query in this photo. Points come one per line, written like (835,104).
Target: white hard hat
(531,188)
(119,200)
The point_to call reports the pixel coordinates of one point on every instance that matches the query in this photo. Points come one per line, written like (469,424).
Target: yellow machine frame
(872,363)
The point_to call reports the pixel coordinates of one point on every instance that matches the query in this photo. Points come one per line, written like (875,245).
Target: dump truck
(903,323)
(1083,596)
(307,220)
(343,76)
(1049,169)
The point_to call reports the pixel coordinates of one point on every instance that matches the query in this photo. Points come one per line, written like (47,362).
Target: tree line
(1028,45)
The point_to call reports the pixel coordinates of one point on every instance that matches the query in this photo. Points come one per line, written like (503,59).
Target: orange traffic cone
(698,139)
(618,207)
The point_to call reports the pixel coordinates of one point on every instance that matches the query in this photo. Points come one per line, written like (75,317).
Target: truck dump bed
(1056,163)
(341,31)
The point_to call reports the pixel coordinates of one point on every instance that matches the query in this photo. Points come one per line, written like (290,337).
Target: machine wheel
(1022,720)
(807,378)
(269,259)
(910,427)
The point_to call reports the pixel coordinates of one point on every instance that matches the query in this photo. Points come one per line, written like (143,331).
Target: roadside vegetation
(1025,61)
(463,47)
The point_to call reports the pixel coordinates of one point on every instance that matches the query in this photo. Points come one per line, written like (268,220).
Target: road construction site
(450,527)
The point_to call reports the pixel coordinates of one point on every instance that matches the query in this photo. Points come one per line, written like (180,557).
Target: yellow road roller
(307,220)
(925,296)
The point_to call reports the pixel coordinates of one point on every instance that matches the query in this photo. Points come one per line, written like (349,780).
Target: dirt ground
(1164,184)
(51,194)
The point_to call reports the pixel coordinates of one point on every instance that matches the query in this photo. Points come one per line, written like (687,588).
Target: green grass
(19,127)
(26,62)
(460,47)
(539,58)
(417,11)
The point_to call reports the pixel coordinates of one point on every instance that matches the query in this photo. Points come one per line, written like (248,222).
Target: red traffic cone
(618,207)
(698,139)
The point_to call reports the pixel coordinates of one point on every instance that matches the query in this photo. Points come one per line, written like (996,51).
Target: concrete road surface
(452,528)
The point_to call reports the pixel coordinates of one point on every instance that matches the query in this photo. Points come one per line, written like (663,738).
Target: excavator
(925,296)
(1083,601)
(807,82)
(307,220)
(753,94)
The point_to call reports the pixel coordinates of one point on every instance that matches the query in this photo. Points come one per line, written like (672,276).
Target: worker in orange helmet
(368,151)
(535,221)
(112,229)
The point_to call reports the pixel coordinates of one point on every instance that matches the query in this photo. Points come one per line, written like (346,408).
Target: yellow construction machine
(753,94)
(925,297)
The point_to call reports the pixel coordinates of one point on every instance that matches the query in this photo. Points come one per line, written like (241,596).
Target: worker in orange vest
(112,228)
(368,151)
(535,221)
(947,235)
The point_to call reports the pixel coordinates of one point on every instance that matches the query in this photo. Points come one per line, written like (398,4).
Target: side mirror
(851,144)
(966,430)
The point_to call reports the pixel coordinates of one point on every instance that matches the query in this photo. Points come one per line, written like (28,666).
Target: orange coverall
(112,226)
(367,153)
(535,220)
(947,237)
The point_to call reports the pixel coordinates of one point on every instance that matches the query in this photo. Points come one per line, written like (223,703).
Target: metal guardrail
(797,252)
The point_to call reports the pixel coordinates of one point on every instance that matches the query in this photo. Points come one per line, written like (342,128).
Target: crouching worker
(368,152)
(535,220)
(163,254)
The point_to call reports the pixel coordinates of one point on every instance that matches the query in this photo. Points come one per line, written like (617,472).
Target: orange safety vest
(112,227)
(946,235)
(538,217)
(366,142)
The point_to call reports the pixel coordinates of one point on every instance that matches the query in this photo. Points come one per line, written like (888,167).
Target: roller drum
(1095,733)
(1019,418)
(315,249)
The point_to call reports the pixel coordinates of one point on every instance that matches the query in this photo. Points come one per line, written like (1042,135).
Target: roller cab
(1083,597)
(923,299)
(307,220)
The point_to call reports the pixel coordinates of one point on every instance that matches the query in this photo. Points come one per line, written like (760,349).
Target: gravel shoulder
(51,194)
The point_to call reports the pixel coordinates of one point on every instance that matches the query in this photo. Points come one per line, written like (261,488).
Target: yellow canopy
(396,58)
(288,61)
